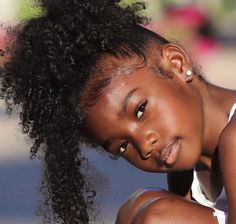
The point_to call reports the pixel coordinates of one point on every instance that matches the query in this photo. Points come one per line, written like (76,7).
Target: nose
(148,145)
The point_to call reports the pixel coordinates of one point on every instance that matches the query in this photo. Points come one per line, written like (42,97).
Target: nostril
(153,138)
(148,145)
(149,154)
(154,142)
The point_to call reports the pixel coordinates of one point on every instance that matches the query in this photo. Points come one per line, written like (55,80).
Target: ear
(176,58)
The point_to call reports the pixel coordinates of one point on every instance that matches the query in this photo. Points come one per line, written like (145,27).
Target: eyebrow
(126,101)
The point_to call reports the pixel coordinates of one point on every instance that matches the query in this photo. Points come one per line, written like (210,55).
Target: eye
(122,147)
(141,109)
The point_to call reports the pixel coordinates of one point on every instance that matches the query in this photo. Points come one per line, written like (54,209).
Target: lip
(169,154)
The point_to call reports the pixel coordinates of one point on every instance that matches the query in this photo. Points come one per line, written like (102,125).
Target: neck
(217,103)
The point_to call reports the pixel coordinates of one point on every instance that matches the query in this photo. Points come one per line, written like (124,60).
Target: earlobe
(189,76)
(175,57)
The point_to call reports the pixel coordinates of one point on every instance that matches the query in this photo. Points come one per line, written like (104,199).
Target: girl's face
(152,121)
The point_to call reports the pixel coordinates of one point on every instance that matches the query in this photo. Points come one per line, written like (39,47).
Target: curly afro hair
(51,61)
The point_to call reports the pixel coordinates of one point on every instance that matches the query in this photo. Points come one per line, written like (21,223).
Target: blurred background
(205,28)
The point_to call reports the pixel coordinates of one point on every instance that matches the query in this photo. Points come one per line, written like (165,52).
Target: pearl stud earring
(189,73)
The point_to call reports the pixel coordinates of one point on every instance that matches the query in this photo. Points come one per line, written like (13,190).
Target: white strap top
(197,193)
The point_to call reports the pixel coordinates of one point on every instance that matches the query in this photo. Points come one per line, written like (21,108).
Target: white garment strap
(220,216)
(232,111)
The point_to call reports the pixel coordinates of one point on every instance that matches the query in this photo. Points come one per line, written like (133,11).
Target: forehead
(124,74)
(108,69)
(105,112)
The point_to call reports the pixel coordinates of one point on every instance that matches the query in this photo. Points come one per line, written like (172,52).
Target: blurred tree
(27,9)
(129,1)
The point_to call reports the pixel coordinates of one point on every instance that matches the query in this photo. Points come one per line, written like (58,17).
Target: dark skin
(156,206)
(169,123)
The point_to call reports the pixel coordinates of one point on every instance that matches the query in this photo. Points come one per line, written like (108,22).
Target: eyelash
(123,145)
(141,108)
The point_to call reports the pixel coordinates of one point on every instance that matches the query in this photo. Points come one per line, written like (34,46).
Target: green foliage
(27,9)
(129,1)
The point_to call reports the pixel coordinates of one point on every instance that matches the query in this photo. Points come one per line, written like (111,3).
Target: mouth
(169,154)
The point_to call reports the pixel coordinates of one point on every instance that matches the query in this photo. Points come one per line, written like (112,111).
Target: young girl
(88,71)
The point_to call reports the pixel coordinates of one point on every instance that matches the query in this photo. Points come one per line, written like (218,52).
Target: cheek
(97,126)
(183,119)
(185,115)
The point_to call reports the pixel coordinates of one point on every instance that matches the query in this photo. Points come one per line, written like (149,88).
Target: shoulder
(227,137)
(165,209)
(128,209)
(150,212)
(139,201)
(227,144)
